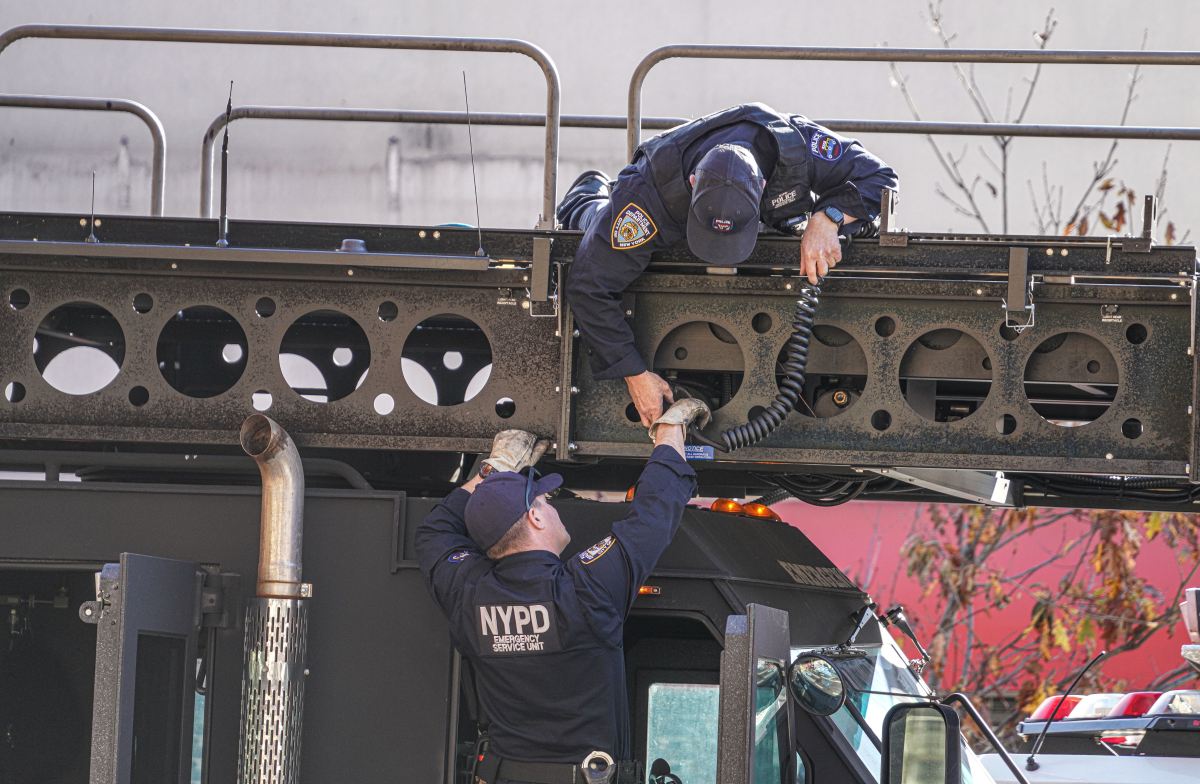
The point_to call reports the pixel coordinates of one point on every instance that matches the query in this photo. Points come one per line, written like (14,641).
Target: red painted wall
(865,540)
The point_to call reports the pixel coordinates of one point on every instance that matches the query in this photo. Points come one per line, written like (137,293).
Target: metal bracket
(216,599)
(539,273)
(1020,292)
(888,236)
(1144,243)
(980,487)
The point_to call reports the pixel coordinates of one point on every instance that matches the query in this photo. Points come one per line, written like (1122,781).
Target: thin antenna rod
(91,237)
(471,143)
(223,223)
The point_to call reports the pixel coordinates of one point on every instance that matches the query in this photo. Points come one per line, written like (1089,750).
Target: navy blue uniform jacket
(545,636)
(827,170)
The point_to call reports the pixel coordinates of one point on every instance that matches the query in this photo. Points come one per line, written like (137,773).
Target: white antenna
(474,183)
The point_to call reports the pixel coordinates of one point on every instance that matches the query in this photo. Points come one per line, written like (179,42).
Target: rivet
(525,278)
(524,304)
(96,222)
(421,234)
(350,273)
(978,292)
(1174,295)
(1049,251)
(83,222)
(572,447)
(629,313)
(1108,456)
(437,235)
(574,333)
(787,286)
(1063,252)
(174,265)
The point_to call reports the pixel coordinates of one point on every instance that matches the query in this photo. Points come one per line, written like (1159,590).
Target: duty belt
(493,768)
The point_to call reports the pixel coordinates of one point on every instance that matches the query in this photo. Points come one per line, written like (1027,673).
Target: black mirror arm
(969,709)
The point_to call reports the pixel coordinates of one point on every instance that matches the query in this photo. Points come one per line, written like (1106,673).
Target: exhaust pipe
(277,618)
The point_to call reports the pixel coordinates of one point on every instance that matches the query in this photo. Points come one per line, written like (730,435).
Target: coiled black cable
(791,386)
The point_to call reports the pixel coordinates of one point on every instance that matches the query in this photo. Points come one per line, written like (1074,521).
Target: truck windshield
(877,679)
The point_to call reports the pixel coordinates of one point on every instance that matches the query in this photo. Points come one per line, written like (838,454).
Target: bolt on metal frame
(158,137)
(901,55)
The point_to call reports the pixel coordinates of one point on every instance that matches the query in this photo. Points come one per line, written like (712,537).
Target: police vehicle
(171,620)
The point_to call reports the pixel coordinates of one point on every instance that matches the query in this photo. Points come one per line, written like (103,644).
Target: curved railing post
(881,54)
(336,40)
(158,137)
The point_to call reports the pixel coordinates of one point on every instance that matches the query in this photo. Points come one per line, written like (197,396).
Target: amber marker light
(649,590)
(726,505)
(761,510)
(630,493)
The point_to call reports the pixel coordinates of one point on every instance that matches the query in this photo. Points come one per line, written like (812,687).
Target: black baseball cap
(722,224)
(499,501)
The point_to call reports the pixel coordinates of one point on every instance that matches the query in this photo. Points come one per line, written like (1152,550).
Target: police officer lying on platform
(545,636)
(713,181)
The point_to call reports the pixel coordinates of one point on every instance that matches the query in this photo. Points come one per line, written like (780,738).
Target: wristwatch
(835,215)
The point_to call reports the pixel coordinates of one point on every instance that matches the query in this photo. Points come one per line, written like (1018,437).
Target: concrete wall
(338,172)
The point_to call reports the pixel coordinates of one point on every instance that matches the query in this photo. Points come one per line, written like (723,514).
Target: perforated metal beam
(912,365)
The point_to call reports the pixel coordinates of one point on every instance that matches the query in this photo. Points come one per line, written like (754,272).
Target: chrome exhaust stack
(277,618)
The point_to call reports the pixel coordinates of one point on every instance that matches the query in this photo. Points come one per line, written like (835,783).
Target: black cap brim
(547,483)
(723,250)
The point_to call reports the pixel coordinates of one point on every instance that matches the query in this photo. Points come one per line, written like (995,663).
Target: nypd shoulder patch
(632,228)
(824,146)
(593,553)
(459,557)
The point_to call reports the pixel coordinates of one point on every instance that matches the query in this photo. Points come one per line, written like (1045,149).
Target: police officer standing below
(544,636)
(713,181)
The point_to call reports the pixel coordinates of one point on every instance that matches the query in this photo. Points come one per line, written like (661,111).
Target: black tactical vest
(787,193)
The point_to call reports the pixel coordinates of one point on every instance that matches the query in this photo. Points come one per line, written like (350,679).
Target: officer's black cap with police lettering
(722,224)
(499,502)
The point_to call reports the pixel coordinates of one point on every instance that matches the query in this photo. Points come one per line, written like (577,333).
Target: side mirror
(921,745)
(816,685)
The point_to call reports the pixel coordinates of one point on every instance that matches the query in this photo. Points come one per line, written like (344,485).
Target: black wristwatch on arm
(835,215)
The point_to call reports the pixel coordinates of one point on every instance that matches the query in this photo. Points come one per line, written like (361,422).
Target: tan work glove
(514,450)
(684,412)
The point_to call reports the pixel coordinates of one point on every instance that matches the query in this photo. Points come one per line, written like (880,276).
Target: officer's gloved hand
(514,450)
(683,412)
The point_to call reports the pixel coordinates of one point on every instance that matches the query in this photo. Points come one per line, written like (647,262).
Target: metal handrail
(208,158)
(890,55)
(208,148)
(158,137)
(341,40)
